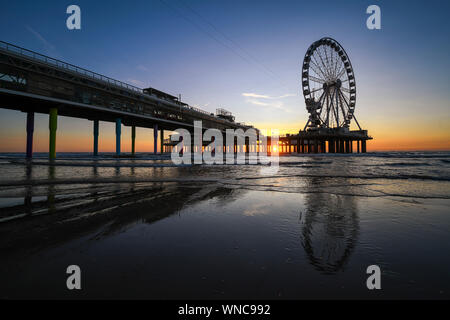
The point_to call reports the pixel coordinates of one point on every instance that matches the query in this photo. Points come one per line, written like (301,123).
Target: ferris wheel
(329,86)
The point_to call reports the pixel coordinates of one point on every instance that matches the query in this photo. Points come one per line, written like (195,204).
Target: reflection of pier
(330,226)
(61,212)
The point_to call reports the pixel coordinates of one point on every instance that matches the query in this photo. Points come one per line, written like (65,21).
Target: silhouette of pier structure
(34,83)
(326,141)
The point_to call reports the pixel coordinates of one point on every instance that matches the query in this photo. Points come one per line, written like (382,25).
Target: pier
(325,141)
(34,83)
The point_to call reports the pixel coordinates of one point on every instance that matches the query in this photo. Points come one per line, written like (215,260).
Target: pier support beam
(357,145)
(30,130)
(118,133)
(95,138)
(161,138)
(181,151)
(155,139)
(133,140)
(363,146)
(53,123)
(247,145)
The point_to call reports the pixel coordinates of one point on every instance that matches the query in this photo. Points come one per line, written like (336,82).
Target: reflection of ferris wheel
(329,85)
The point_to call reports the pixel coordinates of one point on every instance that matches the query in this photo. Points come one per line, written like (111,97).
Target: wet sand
(226,232)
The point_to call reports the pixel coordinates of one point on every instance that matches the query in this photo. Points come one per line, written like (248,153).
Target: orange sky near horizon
(75,135)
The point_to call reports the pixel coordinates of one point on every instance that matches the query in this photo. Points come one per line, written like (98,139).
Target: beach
(143,228)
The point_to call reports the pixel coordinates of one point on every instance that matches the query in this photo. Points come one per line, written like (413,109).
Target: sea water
(145,228)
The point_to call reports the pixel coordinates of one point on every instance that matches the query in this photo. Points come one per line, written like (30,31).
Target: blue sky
(245,56)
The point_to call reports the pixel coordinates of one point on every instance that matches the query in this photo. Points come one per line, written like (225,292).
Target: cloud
(275,104)
(261,100)
(263,96)
(49,48)
(138,83)
(259,103)
(142,68)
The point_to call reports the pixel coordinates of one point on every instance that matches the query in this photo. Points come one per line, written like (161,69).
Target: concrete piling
(30,130)
(53,123)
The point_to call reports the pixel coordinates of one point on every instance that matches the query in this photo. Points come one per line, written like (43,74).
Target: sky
(244,56)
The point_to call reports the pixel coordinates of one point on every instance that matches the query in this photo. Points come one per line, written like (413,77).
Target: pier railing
(32,55)
(66,66)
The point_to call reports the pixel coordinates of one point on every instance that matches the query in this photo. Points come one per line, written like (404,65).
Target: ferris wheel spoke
(335,110)
(323,63)
(345,99)
(349,110)
(339,67)
(333,63)
(321,96)
(324,49)
(327,121)
(321,106)
(345,115)
(318,89)
(346,103)
(315,79)
(318,67)
(337,106)
(337,64)
(329,61)
(341,72)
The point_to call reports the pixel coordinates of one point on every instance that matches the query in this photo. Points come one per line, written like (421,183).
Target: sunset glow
(402,93)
